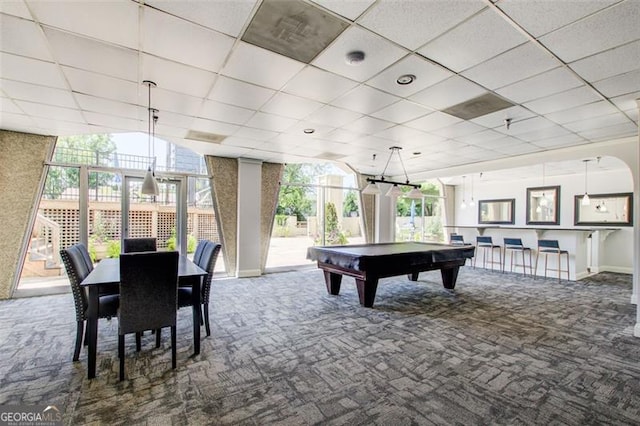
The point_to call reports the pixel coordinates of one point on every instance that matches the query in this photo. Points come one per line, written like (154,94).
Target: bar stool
(513,246)
(548,247)
(486,244)
(456,239)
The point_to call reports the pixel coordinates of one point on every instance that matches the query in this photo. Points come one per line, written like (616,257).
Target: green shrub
(113,248)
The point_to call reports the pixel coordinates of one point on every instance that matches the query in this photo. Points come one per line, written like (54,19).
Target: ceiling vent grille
(205,137)
(477,107)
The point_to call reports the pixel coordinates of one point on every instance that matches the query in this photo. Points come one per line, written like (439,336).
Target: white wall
(617,253)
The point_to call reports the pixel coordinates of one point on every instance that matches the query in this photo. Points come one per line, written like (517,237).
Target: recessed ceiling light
(355,58)
(406,79)
(309,131)
(417,153)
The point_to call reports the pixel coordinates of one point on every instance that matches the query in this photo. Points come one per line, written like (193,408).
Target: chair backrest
(208,263)
(198,253)
(136,245)
(513,242)
(548,244)
(456,239)
(148,291)
(484,240)
(77,271)
(85,255)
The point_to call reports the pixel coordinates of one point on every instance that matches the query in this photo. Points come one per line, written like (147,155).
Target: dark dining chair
(148,297)
(75,263)
(210,252)
(198,253)
(136,245)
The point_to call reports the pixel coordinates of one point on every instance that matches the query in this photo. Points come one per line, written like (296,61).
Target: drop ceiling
(565,73)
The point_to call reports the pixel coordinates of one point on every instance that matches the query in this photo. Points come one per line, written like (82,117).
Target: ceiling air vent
(205,137)
(477,107)
(293,28)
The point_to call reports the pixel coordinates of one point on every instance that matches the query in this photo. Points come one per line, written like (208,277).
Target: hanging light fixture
(395,190)
(472,203)
(544,202)
(149,184)
(464,204)
(585,199)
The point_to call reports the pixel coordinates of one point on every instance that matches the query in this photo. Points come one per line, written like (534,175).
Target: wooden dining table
(107,273)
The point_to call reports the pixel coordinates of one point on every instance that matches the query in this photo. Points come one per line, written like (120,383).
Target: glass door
(162,217)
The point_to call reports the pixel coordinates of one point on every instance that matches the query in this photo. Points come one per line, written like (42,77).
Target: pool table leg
(332,281)
(413,276)
(367,291)
(449,277)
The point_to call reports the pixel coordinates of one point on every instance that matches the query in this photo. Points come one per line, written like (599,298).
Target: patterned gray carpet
(501,349)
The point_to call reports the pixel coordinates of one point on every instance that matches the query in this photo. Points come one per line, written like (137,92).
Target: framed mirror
(543,205)
(604,210)
(497,211)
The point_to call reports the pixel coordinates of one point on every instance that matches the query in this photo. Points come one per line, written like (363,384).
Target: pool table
(369,262)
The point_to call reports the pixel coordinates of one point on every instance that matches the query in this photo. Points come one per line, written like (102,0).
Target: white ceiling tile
(62,128)
(120,123)
(218,111)
(459,129)
(434,121)
(50,111)
(620,84)
(291,106)
(413,23)
(333,116)
(569,43)
(546,133)
(228,17)
(183,41)
(94,19)
(110,107)
(29,70)
(594,109)
(166,100)
(271,122)
(23,38)
(349,9)
(627,102)
(90,55)
(177,77)
(424,142)
(516,64)
(525,126)
(218,150)
(273,72)
(498,118)
(605,133)
(448,93)
(565,100)
(318,85)
(344,136)
(480,137)
(7,105)
(601,121)
(402,111)
(426,74)
(470,43)
(257,134)
(320,131)
(173,120)
(239,93)
(517,149)
(365,99)
(399,133)
(164,131)
(212,126)
(487,141)
(243,142)
(450,145)
(102,86)
(15,8)
(379,54)
(30,92)
(17,122)
(367,125)
(539,17)
(612,62)
(557,80)
(560,142)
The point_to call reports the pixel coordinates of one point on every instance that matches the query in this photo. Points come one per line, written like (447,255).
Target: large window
(421,219)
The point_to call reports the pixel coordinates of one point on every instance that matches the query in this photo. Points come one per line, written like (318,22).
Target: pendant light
(464,204)
(395,190)
(585,199)
(472,203)
(543,201)
(149,184)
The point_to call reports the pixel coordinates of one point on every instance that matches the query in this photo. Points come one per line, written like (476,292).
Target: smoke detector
(355,58)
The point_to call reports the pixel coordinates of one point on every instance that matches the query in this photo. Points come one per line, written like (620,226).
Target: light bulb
(585,200)
(463,205)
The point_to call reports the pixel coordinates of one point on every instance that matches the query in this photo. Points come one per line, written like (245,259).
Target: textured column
(224,193)
(271,177)
(367,209)
(22,158)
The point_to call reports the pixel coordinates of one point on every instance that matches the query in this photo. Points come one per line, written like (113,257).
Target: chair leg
(138,341)
(206,319)
(173,347)
(567,266)
(546,257)
(158,335)
(86,335)
(537,256)
(79,335)
(121,355)
(559,266)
